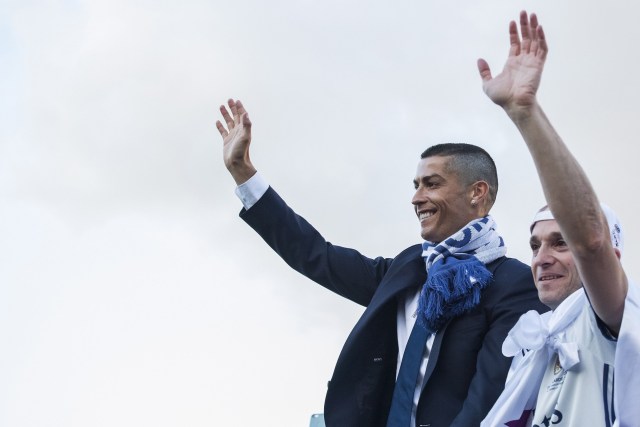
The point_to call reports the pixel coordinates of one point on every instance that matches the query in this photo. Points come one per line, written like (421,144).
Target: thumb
(484,70)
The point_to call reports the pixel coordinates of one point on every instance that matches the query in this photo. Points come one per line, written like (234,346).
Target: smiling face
(442,202)
(554,270)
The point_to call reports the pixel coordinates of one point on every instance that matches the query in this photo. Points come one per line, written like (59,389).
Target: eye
(561,243)
(534,244)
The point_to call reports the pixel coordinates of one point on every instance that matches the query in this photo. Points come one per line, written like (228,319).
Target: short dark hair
(470,163)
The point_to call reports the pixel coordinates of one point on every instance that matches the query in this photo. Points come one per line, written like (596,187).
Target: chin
(549,301)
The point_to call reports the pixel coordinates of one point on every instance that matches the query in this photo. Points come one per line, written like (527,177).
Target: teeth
(549,277)
(425,215)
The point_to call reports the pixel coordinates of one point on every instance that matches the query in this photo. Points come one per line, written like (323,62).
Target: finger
(234,110)
(240,108)
(484,70)
(533,28)
(514,39)
(221,129)
(525,31)
(246,124)
(227,118)
(245,120)
(543,48)
(533,24)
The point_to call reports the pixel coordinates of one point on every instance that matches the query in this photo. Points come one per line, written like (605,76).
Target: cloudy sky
(131,293)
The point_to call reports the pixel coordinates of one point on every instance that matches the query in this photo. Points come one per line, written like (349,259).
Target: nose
(542,258)
(418,197)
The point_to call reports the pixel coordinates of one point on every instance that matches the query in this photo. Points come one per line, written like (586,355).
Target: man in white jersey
(563,372)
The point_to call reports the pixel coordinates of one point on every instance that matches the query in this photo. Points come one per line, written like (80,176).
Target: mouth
(548,276)
(424,215)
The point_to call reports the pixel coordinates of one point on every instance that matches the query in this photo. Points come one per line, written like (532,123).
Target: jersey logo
(557,367)
(555,418)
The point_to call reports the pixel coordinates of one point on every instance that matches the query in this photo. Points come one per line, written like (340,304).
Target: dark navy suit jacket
(466,370)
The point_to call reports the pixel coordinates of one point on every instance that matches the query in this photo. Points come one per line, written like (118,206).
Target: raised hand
(514,89)
(236,139)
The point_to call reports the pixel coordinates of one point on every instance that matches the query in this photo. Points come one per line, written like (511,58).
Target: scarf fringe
(453,287)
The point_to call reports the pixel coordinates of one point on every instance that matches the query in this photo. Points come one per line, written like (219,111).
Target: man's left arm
(567,189)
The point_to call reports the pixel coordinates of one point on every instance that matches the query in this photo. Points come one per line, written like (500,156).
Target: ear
(480,192)
(480,200)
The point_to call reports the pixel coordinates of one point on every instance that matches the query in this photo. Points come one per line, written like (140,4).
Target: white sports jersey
(583,395)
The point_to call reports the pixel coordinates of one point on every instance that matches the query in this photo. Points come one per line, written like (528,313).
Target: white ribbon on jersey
(539,338)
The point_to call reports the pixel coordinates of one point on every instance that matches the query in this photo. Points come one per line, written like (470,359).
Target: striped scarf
(456,272)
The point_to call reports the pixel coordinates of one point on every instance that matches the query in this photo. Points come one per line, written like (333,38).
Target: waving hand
(236,138)
(515,87)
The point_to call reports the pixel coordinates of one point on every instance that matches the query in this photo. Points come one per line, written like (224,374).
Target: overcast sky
(131,294)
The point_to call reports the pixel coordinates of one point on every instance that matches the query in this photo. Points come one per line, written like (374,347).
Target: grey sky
(130,292)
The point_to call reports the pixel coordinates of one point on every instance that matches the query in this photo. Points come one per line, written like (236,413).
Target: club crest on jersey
(557,368)
(559,374)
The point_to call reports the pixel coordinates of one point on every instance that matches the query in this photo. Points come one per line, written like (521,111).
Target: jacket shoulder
(511,275)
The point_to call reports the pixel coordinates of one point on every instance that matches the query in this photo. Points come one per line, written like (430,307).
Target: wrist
(241,171)
(522,114)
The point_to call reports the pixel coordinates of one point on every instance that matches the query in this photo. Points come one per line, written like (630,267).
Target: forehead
(544,229)
(435,165)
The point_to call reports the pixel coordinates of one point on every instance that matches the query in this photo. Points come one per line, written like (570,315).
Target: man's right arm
(341,270)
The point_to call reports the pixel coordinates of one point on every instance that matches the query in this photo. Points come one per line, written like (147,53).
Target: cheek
(572,268)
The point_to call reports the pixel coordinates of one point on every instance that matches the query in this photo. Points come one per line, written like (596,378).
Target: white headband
(615,229)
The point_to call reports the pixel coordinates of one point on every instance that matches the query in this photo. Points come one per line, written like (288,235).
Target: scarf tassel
(453,287)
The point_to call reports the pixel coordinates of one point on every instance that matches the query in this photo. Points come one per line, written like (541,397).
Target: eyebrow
(427,178)
(553,236)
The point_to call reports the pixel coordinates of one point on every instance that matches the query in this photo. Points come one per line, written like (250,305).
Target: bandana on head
(456,272)
(615,229)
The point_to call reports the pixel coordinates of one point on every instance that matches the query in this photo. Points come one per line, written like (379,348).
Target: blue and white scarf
(456,272)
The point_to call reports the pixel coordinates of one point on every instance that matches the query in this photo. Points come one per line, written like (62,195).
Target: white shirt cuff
(250,191)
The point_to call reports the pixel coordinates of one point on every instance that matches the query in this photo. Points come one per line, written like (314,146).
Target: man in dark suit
(427,349)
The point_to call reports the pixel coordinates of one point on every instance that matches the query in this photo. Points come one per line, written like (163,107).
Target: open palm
(236,138)
(516,86)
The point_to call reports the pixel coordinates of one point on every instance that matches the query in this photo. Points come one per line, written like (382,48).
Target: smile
(424,215)
(548,277)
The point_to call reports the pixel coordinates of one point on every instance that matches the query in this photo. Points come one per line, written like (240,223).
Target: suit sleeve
(515,294)
(342,270)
